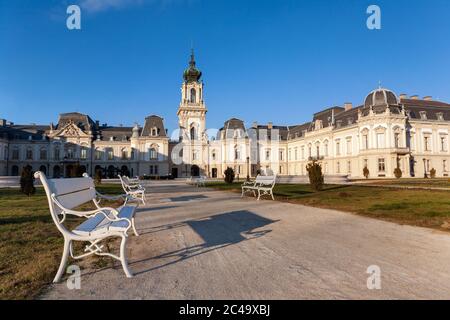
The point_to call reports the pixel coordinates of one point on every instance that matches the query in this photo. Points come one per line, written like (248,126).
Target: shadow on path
(217,232)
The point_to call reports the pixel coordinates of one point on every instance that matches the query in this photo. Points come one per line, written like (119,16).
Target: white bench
(66,194)
(262,184)
(197,181)
(133,189)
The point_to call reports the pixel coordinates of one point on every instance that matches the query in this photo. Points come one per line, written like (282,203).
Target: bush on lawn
(229,175)
(315,175)
(27,181)
(98,177)
(433,173)
(398,173)
(366,172)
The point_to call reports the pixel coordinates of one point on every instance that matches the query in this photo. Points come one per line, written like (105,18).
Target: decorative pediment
(70,130)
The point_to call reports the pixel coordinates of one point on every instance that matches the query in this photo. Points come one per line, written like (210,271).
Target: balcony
(316,158)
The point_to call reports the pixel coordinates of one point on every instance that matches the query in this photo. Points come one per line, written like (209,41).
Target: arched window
(193,133)
(132,154)
(193,95)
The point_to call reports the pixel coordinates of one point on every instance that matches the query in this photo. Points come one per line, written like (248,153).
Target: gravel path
(205,244)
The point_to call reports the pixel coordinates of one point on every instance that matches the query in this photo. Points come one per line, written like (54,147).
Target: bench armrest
(248,183)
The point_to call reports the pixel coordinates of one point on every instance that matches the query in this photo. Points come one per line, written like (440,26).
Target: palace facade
(385,132)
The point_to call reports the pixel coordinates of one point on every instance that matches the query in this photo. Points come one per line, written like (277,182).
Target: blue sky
(262,60)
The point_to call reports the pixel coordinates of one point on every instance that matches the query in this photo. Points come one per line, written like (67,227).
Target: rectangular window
(444,165)
(381,165)
(303,153)
(338,167)
(29,154)
(83,154)
(43,154)
(110,154)
(124,154)
(281,155)
(15,154)
(98,155)
(380,140)
(397,140)
(267,155)
(295,154)
(326,150)
(151,170)
(349,167)
(56,154)
(349,146)
(338,148)
(443,144)
(365,141)
(156,169)
(426,143)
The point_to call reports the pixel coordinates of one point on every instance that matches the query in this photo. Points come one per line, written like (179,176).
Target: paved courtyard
(198,243)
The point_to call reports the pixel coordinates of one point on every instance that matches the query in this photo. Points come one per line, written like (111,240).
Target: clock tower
(192,110)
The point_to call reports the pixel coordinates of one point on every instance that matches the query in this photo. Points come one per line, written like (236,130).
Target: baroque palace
(385,132)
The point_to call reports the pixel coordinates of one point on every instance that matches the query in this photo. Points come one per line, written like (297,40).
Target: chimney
(2,122)
(348,106)
(428,98)
(403,96)
(255,124)
(270,125)
(415,97)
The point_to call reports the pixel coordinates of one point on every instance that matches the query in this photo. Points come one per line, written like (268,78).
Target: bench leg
(123,257)
(62,265)
(143,197)
(271,193)
(242,193)
(259,194)
(134,227)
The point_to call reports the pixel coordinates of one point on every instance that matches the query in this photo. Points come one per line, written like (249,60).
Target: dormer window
(423,115)
(154,132)
(349,121)
(111,138)
(440,116)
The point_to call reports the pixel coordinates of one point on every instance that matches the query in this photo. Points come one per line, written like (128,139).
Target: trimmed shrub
(433,173)
(229,175)
(366,172)
(315,175)
(398,173)
(98,177)
(27,181)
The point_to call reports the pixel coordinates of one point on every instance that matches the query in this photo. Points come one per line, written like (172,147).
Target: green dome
(192,74)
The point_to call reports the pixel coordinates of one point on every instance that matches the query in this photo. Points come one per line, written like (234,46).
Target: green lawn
(414,182)
(31,246)
(424,208)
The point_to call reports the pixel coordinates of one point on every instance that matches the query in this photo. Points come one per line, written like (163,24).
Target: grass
(31,246)
(414,182)
(424,208)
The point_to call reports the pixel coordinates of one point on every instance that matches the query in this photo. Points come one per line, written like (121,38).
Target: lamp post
(248,168)
(425,168)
